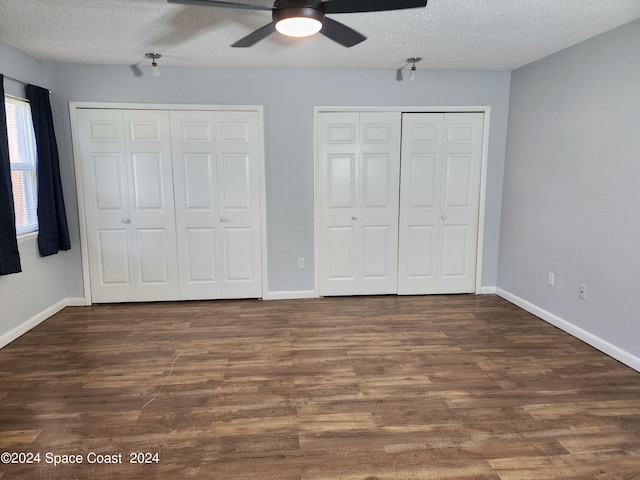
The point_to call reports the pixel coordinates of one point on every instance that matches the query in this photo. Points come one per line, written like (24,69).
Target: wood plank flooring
(435,387)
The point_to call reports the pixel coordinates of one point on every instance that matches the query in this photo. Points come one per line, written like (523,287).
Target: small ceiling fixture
(154,64)
(413,61)
(412,75)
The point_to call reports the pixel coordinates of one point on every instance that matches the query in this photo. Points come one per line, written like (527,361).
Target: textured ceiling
(447,34)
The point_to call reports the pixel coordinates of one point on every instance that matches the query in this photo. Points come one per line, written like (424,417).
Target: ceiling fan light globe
(298,26)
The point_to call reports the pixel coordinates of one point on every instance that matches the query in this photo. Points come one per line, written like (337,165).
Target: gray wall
(571,201)
(42,281)
(288,98)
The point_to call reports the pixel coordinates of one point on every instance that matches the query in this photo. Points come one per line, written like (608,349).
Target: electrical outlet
(551,278)
(301,262)
(583,291)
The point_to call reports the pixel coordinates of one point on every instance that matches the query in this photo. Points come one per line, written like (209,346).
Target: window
(22,157)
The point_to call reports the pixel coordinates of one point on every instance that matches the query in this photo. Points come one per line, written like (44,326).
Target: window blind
(22,158)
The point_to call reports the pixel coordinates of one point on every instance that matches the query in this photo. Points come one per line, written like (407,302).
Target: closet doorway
(171,201)
(398,201)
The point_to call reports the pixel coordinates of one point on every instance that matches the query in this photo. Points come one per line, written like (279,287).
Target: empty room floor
(388,387)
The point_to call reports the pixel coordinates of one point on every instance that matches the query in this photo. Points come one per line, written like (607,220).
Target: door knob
(126,220)
(354,218)
(224,219)
(443,217)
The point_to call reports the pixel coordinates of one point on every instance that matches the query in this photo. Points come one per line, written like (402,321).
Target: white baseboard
(75,302)
(11,335)
(289,295)
(488,290)
(596,342)
(34,321)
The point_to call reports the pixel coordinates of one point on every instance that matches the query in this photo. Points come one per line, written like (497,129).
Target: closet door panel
(337,170)
(379,177)
(421,189)
(457,187)
(172,203)
(105,183)
(441,166)
(236,203)
(148,147)
(109,181)
(201,256)
(113,258)
(341,182)
(195,179)
(375,239)
(217,189)
(238,259)
(153,268)
(418,254)
(357,183)
(238,167)
(148,184)
(455,237)
(462,149)
(236,183)
(340,266)
(197,174)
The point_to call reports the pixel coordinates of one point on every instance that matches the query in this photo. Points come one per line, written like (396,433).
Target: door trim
(75,139)
(484,109)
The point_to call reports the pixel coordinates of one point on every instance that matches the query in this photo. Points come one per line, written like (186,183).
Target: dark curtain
(9,254)
(52,218)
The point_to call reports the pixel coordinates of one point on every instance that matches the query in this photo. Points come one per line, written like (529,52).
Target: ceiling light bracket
(413,61)
(153,57)
(154,64)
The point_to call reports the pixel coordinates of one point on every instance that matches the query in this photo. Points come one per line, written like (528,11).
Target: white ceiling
(447,34)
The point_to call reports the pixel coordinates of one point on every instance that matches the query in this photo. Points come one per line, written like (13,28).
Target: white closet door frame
(75,106)
(485,109)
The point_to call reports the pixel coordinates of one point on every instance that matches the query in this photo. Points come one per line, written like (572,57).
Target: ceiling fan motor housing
(303,18)
(283,9)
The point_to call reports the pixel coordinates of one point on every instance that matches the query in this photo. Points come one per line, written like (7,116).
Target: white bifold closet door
(216,179)
(171,204)
(440,185)
(358,167)
(128,202)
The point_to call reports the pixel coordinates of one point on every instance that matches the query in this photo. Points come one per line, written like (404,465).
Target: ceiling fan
(303,18)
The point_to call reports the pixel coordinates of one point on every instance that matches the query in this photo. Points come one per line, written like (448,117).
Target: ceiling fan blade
(339,32)
(216,3)
(353,6)
(256,36)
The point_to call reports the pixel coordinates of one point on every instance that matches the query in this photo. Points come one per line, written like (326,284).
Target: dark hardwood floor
(435,387)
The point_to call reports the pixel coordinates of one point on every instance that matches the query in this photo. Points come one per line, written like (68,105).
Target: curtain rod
(9,77)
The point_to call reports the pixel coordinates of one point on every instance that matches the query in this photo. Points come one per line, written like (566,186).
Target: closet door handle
(354,218)
(224,219)
(443,217)
(126,221)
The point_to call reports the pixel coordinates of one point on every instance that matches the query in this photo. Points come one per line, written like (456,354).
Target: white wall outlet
(583,291)
(301,262)
(551,278)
